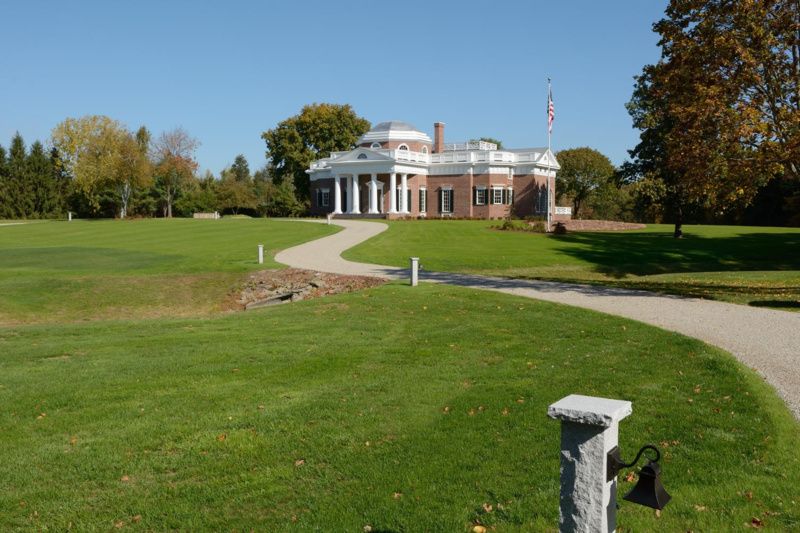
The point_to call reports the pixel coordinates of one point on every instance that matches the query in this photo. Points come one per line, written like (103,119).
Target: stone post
(69,216)
(414,271)
(589,429)
(260,254)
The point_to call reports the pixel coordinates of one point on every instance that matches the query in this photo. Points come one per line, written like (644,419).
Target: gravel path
(764,339)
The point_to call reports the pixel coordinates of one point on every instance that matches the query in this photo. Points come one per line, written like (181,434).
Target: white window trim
(423,199)
(481,189)
(403,146)
(375,145)
(442,193)
(494,200)
(424,149)
(509,195)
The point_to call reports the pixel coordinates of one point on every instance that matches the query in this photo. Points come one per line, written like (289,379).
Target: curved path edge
(766,340)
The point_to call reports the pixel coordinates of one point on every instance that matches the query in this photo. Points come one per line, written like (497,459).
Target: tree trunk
(678,222)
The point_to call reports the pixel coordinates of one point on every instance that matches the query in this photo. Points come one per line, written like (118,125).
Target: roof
(393,130)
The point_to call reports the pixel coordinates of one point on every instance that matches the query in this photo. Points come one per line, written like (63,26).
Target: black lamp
(648,490)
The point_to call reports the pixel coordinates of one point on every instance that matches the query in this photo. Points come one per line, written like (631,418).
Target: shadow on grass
(620,254)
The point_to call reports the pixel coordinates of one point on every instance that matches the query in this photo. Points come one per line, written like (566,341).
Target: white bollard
(260,254)
(589,430)
(414,271)
(69,216)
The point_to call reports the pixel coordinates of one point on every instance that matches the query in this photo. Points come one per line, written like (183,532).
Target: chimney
(438,137)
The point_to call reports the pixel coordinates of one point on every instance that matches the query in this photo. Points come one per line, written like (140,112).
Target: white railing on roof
(407,155)
(471,145)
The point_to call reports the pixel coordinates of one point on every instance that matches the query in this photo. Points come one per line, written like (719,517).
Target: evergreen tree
(42,188)
(19,196)
(4,210)
(240,169)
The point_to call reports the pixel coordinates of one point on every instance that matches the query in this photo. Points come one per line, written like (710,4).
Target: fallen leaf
(397,495)
(658,513)
(221,437)
(697,389)
(471,412)
(700,508)
(73,440)
(505,411)
(124,479)
(300,462)
(41,416)
(478,529)
(367,528)
(756,522)
(137,518)
(630,477)
(446,410)
(487,507)
(261,407)
(119,524)
(520,400)
(748,494)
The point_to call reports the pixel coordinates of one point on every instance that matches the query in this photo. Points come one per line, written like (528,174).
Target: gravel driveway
(764,339)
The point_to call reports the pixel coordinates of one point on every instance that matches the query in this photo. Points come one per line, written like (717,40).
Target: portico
(349,189)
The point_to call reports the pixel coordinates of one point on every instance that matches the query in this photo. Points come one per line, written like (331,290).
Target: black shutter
(441,192)
(474,196)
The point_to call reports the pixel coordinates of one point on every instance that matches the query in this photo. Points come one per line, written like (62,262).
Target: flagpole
(548,213)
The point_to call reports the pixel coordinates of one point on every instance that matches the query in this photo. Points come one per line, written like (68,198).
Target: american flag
(551,110)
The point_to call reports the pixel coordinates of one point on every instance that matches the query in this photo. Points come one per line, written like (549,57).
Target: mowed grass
(401,409)
(748,265)
(88,270)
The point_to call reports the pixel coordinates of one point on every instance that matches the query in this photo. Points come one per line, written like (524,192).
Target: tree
(240,169)
(134,169)
(720,113)
(44,189)
(92,150)
(583,171)
(317,131)
(173,153)
(4,205)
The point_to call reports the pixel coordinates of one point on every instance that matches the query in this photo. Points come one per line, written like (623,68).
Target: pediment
(548,159)
(361,154)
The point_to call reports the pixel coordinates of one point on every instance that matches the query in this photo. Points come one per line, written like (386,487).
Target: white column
(356,199)
(373,194)
(349,195)
(589,430)
(404,193)
(393,193)
(337,196)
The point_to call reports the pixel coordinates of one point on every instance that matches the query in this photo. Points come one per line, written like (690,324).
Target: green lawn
(128,399)
(750,265)
(85,270)
(403,409)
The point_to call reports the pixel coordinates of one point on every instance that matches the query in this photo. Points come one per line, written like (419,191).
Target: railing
(471,145)
(447,156)
(407,155)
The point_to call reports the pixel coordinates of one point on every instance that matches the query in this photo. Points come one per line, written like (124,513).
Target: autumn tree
(317,131)
(583,171)
(175,165)
(719,114)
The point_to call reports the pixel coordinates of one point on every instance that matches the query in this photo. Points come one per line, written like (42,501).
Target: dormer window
(403,147)
(362,156)
(375,145)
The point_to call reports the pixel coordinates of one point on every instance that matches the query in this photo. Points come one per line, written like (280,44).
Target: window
(403,147)
(362,156)
(497,196)
(323,197)
(481,196)
(446,201)
(423,200)
(375,145)
(424,149)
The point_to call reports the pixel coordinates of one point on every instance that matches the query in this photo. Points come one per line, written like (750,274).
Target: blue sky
(227,71)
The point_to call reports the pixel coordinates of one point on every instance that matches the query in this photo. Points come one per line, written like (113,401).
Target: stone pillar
(356,196)
(260,254)
(373,194)
(393,192)
(589,429)
(349,195)
(414,271)
(404,193)
(337,196)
